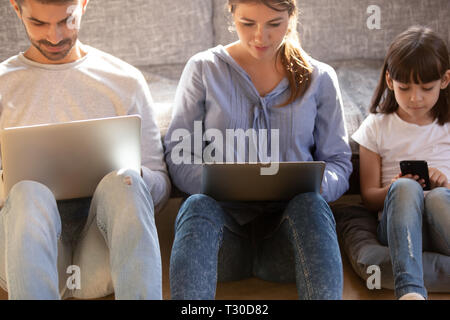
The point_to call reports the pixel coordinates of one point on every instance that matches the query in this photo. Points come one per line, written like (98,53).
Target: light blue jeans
(409,222)
(111,237)
(299,244)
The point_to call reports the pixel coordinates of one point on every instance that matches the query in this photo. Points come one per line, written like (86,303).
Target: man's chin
(54,56)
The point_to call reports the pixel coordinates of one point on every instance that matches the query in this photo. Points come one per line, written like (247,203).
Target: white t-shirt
(98,85)
(394,139)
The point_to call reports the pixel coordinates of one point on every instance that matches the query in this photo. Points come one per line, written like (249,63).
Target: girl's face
(261,30)
(415,101)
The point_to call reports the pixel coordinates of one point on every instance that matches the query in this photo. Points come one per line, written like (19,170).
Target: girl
(264,81)
(410,120)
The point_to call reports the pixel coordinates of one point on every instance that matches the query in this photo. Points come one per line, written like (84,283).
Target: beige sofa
(159,36)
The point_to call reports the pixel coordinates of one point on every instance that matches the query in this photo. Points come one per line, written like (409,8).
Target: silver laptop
(70,158)
(244,181)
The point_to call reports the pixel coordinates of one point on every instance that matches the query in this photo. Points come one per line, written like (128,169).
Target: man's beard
(68,43)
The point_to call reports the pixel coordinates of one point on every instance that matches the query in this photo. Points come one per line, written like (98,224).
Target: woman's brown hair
(298,69)
(418,54)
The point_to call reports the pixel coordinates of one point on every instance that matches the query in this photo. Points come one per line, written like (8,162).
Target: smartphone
(416,167)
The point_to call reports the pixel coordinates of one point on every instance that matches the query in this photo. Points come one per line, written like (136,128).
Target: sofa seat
(357,232)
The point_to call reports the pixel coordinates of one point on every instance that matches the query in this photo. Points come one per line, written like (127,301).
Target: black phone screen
(416,167)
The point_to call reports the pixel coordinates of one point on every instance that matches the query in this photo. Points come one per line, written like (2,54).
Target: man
(110,238)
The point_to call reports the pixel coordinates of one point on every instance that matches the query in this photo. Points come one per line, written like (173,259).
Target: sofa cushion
(162,81)
(149,32)
(141,32)
(357,231)
(222,24)
(346,21)
(13,38)
(357,81)
(337,29)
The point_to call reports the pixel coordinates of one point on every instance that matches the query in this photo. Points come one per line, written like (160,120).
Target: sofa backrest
(149,32)
(333,30)
(159,32)
(12,35)
(141,32)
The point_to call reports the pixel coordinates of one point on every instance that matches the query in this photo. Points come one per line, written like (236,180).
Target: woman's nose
(260,34)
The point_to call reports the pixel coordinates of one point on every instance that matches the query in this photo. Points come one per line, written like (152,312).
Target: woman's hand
(437,178)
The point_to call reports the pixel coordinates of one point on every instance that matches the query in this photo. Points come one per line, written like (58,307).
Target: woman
(264,81)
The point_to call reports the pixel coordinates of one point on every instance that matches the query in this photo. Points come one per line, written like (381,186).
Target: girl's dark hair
(418,54)
(298,68)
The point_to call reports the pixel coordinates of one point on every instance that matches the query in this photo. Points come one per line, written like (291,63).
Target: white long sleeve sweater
(95,86)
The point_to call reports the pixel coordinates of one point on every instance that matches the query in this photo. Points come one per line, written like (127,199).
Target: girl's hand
(409,176)
(437,178)
(398,176)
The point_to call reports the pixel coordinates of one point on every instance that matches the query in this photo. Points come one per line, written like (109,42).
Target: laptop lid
(244,181)
(70,158)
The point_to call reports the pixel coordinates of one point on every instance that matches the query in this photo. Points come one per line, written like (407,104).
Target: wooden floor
(255,289)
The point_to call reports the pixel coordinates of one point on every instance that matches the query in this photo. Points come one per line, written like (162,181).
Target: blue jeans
(408,220)
(297,244)
(111,237)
